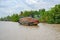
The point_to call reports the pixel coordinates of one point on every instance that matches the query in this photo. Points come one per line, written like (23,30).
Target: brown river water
(15,31)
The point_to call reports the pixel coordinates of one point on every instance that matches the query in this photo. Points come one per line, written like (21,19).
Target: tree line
(50,16)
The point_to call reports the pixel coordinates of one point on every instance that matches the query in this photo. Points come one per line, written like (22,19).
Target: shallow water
(15,31)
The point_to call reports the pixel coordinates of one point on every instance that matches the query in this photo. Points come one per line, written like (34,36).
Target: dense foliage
(14,18)
(50,16)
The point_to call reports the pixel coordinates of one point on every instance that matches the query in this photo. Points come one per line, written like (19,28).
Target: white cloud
(12,6)
(39,4)
(8,7)
(31,1)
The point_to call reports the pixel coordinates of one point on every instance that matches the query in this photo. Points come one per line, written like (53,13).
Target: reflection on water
(14,31)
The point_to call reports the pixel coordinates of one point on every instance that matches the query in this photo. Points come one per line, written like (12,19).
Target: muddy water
(14,31)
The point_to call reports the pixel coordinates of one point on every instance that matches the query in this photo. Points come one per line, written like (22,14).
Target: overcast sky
(8,7)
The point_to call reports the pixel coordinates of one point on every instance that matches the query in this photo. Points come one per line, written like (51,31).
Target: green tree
(15,17)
